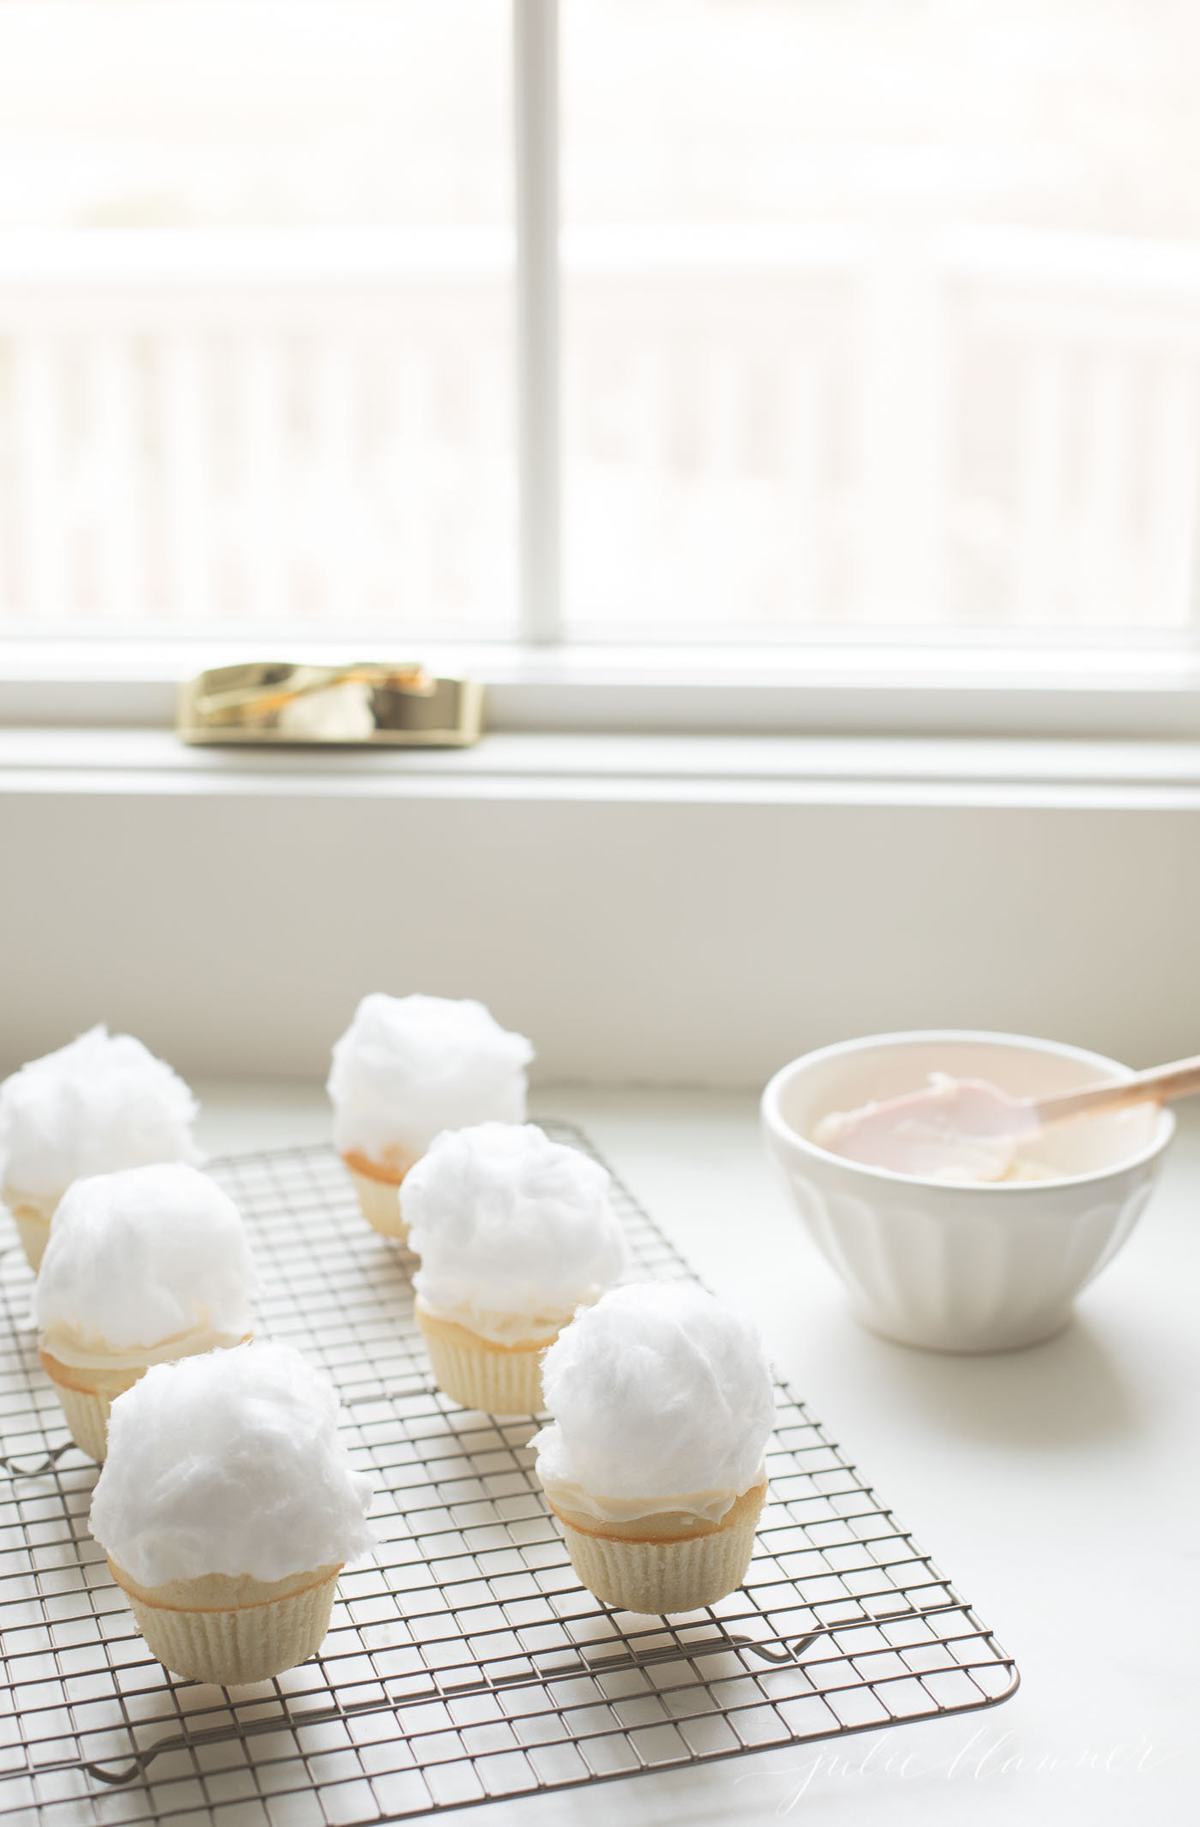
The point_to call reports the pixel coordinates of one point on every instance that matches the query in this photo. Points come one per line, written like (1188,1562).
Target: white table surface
(1056,1487)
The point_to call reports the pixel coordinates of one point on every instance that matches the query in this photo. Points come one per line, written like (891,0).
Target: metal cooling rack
(465,1663)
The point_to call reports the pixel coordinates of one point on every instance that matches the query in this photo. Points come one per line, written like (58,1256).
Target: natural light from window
(876,315)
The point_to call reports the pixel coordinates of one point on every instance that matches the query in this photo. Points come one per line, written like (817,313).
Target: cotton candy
(511,1229)
(101,1103)
(410,1066)
(656,1392)
(229,1463)
(139,1257)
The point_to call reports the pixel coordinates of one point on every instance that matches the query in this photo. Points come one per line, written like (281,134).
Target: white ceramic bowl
(983,1267)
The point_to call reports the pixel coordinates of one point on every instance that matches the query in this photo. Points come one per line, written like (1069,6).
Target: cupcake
(102,1103)
(514,1233)
(406,1068)
(227,1508)
(142,1267)
(661,1405)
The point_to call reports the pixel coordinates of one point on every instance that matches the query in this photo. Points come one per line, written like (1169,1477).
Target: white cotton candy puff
(658,1390)
(230,1462)
(408,1067)
(508,1223)
(102,1103)
(139,1257)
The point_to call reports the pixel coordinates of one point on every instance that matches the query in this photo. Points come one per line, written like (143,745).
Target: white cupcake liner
(87,1417)
(475,1373)
(33,1228)
(665,1576)
(87,1395)
(380,1204)
(234,1644)
(87,1410)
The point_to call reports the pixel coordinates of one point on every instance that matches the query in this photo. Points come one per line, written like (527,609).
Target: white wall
(637,930)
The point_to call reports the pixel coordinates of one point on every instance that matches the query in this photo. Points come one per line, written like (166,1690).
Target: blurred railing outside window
(876,315)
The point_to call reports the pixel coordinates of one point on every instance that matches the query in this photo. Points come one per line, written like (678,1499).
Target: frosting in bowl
(661,1399)
(952,1129)
(408,1067)
(139,1259)
(101,1103)
(514,1231)
(229,1463)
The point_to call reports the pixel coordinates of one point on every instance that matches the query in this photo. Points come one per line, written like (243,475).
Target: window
(880,314)
(782,321)
(256,320)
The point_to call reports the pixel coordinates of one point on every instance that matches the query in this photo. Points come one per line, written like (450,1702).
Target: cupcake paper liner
(87,1410)
(477,1374)
(87,1417)
(380,1203)
(665,1576)
(233,1644)
(33,1228)
(87,1395)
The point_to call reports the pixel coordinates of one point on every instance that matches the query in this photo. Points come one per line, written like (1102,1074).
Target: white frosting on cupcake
(229,1463)
(514,1231)
(140,1258)
(101,1103)
(661,1399)
(408,1067)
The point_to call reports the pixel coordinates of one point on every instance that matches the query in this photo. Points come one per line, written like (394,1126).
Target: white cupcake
(514,1233)
(142,1267)
(102,1103)
(406,1068)
(227,1508)
(662,1405)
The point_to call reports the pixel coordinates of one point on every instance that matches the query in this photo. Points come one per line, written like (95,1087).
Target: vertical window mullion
(539,481)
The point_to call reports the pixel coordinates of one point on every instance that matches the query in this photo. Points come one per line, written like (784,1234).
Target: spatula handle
(1158,1086)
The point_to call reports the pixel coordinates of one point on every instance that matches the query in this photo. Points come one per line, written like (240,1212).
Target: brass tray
(361,704)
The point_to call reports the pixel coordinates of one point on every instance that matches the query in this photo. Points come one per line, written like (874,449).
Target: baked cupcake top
(142,1259)
(229,1463)
(408,1067)
(101,1103)
(513,1230)
(661,1400)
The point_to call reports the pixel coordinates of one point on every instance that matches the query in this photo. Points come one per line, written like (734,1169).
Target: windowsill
(561,765)
(965,689)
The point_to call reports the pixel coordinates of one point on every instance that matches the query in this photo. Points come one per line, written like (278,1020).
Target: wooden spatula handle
(1156,1087)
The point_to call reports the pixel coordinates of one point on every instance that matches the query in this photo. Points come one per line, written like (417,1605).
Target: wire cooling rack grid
(465,1663)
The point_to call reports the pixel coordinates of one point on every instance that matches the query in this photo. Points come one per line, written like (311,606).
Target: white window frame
(1123,686)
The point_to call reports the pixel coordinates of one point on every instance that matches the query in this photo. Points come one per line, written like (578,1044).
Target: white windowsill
(720,769)
(1121,689)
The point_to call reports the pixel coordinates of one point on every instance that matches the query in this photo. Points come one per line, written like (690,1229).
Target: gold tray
(366,703)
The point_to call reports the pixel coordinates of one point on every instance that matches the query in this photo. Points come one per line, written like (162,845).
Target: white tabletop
(1056,1487)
